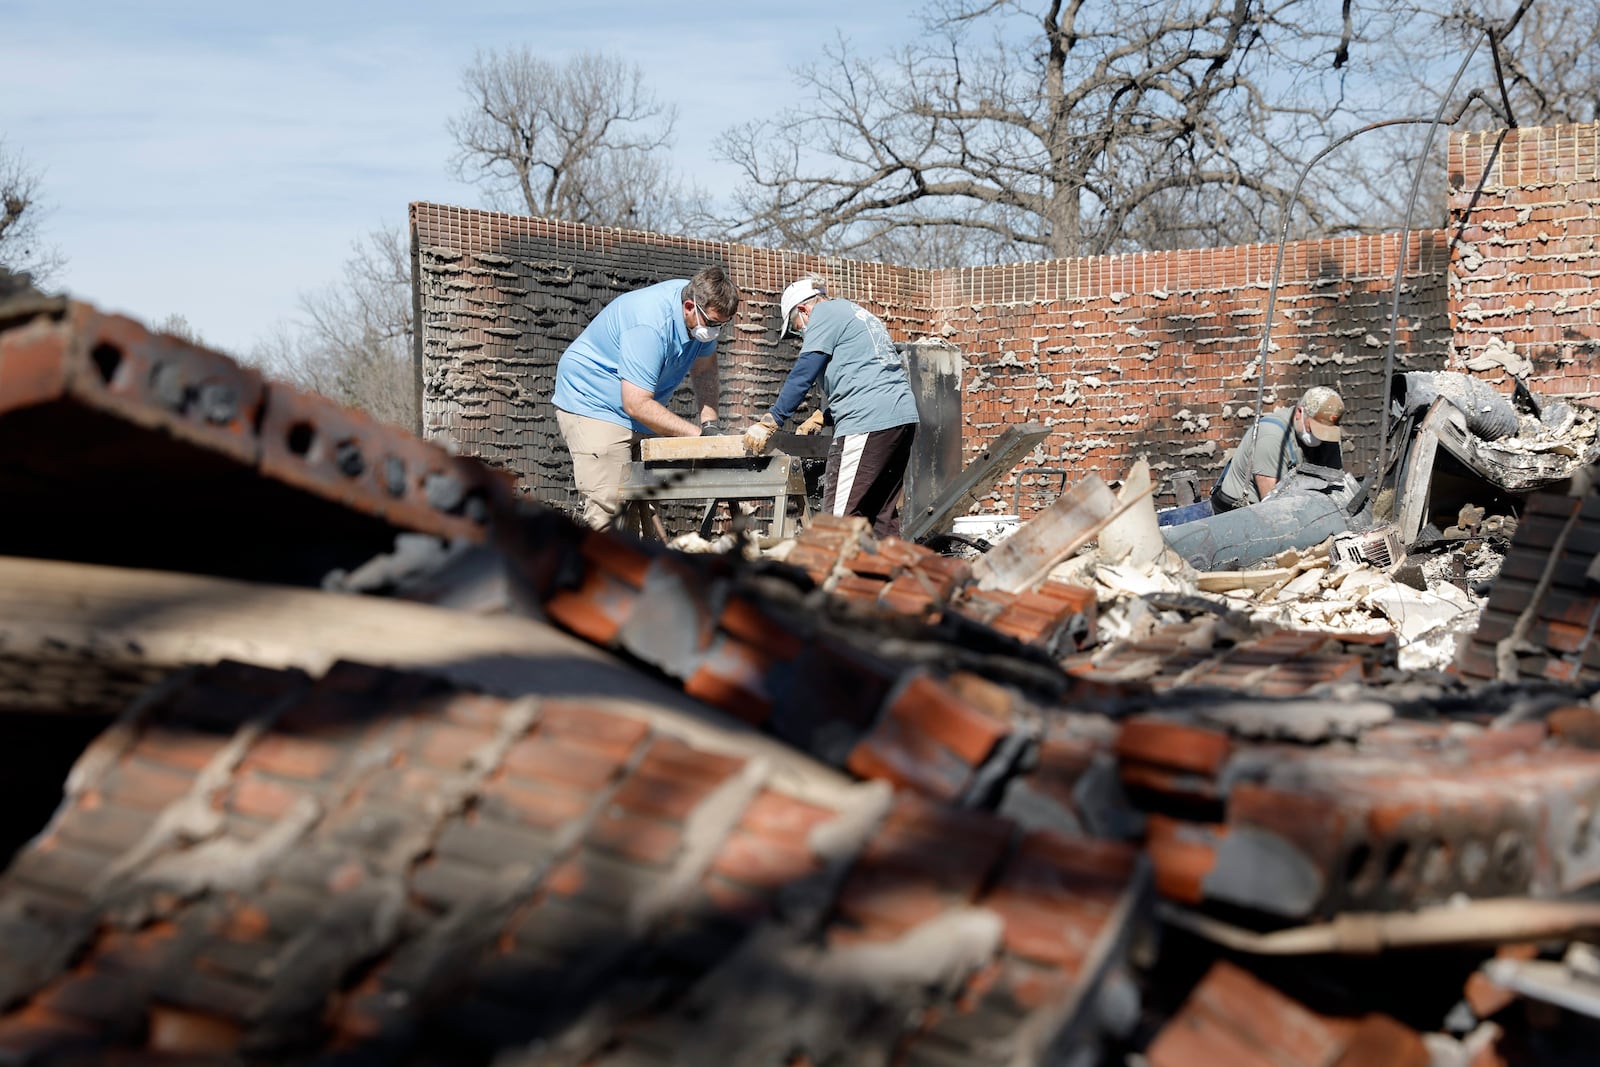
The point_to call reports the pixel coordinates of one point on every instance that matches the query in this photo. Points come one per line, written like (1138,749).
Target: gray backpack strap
(1216,490)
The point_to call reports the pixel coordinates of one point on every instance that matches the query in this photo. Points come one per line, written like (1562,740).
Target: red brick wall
(1122,357)
(1525,218)
(1156,355)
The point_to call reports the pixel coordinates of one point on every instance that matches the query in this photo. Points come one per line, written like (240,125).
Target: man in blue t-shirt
(868,399)
(614,381)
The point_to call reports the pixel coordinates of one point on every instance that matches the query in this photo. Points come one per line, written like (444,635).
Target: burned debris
(1459,443)
(564,795)
(185,460)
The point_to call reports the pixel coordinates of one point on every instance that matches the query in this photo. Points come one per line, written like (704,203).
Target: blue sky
(215,160)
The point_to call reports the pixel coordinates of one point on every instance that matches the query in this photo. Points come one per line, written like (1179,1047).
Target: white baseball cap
(796,294)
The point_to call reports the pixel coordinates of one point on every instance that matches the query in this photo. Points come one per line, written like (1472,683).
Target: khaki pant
(601,452)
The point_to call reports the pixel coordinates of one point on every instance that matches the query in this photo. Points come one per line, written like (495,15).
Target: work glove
(760,434)
(711,428)
(813,424)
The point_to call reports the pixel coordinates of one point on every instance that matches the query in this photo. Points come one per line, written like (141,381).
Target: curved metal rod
(1283,240)
(1375,478)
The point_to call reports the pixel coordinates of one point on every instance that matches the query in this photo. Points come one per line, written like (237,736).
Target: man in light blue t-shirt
(869,401)
(614,381)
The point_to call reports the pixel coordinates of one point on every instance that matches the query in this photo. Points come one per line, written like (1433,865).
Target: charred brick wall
(1525,219)
(1151,355)
(499,297)
(1157,354)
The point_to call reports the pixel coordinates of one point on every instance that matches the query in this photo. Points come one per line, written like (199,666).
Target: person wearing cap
(613,382)
(868,397)
(1277,444)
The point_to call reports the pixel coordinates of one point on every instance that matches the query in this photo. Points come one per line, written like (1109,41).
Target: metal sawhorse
(776,477)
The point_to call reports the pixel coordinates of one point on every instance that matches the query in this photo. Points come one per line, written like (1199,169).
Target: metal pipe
(1311,505)
(1405,235)
(1506,920)
(1283,239)
(1399,274)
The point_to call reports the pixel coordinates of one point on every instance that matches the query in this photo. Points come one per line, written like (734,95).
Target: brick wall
(500,297)
(1156,355)
(1150,355)
(1525,216)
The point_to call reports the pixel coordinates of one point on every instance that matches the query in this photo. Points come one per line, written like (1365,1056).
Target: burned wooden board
(1049,537)
(682,449)
(979,477)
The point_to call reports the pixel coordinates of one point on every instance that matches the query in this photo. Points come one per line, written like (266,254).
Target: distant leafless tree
(1542,70)
(583,140)
(176,325)
(1021,129)
(1550,62)
(353,341)
(22,249)
(1049,128)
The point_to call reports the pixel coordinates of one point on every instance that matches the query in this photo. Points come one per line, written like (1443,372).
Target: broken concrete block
(1134,537)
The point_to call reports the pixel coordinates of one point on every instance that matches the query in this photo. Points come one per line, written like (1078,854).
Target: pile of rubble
(568,797)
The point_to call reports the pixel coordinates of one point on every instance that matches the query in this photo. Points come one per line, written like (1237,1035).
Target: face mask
(1307,438)
(705,333)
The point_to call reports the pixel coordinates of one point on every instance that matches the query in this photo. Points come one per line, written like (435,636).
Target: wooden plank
(1417,478)
(722,446)
(1049,537)
(1222,581)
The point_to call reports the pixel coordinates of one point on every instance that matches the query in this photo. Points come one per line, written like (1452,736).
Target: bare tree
(1027,128)
(582,141)
(1055,128)
(1526,64)
(353,342)
(22,249)
(177,325)
(1550,64)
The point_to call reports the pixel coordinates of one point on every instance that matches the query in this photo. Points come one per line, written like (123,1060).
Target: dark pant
(865,474)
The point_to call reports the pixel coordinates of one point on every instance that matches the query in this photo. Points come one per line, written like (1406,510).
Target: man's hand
(760,434)
(711,428)
(813,423)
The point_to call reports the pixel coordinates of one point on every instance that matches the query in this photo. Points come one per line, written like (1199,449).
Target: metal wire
(1494,37)
(1416,182)
(1283,240)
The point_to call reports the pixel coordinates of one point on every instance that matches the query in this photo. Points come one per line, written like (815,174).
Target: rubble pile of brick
(991,838)
(842,557)
(257,864)
(140,449)
(1542,612)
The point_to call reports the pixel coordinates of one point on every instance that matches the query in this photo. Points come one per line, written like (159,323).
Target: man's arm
(640,404)
(1265,485)
(805,371)
(707,389)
